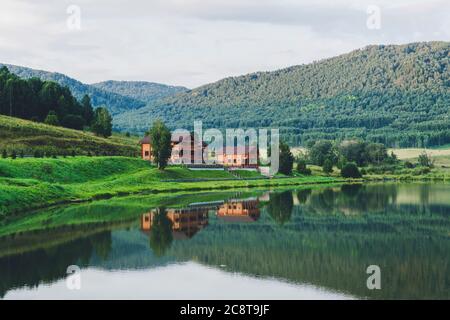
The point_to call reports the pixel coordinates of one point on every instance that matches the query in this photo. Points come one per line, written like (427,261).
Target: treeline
(347,155)
(50,103)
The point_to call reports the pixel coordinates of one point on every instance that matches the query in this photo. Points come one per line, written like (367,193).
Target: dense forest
(398,95)
(43,101)
(140,90)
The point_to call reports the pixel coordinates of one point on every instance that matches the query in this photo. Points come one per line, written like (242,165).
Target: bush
(409,165)
(52,119)
(4,154)
(425,160)
(13,154)
(421,170)
(350,170)
(72,121)
(302,168)
(327,166)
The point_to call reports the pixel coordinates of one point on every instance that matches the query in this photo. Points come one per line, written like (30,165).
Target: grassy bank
(23,136)
(31,183)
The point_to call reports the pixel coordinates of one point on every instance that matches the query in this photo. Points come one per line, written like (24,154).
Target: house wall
(146,151)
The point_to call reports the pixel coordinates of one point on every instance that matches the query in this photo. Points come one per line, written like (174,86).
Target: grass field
(27,136)
(413,153)
(31,183)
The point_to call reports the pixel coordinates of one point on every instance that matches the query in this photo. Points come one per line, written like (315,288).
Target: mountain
(144,91)
(116,103)
(394,94)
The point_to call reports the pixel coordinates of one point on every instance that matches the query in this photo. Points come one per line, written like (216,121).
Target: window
(146,153)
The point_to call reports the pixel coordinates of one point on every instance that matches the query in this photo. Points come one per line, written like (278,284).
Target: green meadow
(33,183)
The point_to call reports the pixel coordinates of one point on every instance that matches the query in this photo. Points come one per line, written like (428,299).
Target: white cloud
(192,42)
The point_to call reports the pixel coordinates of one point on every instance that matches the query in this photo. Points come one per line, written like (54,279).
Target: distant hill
(395,94)
(115,102)
(118,96)
(144,91)
(23,136)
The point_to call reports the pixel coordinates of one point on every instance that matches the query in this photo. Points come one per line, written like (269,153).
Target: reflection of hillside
(239,211)
(363,199)
(21,269)
(47,238)
(332,254)
(186,222)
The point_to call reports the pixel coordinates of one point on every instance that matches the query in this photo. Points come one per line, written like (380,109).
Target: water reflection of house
(239,211)
(185,222)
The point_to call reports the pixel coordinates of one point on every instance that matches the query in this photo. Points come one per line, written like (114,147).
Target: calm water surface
(280,244)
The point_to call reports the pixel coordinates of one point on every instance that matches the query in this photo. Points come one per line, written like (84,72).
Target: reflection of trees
(161,236)
(351,190)
(303,195)
(280,206)
(102,245)
(50,264)
(354,198)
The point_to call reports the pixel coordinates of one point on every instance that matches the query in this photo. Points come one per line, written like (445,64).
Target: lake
(308,243)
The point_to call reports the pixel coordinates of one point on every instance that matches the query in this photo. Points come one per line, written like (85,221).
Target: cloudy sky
(194,42)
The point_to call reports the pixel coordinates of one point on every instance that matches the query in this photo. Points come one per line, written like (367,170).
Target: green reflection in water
(322,236)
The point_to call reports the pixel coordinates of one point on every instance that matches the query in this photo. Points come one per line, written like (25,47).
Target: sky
(193,42)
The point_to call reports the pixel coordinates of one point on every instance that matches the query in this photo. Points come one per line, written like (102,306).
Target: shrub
(421,170)
(350,170)
(409,165)
(327,166)
(302,168)
(13,154)
(425,160)
(4,154)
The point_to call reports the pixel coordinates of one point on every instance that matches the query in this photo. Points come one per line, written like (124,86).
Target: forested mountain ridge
(394,94)
(140,90)
(113,101)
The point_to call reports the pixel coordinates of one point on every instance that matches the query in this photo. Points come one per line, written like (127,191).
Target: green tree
(327,166)
(286,159)
(322,150)
(160,138)
(350,170)
(425,160)
(102,125)
(88,111)
(302,167)
(52,119)
(73,121)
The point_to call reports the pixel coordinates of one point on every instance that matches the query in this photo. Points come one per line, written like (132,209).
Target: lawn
(30,183)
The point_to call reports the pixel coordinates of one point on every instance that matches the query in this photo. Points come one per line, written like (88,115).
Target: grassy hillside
(27,136)
(397,94)
(140,90)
